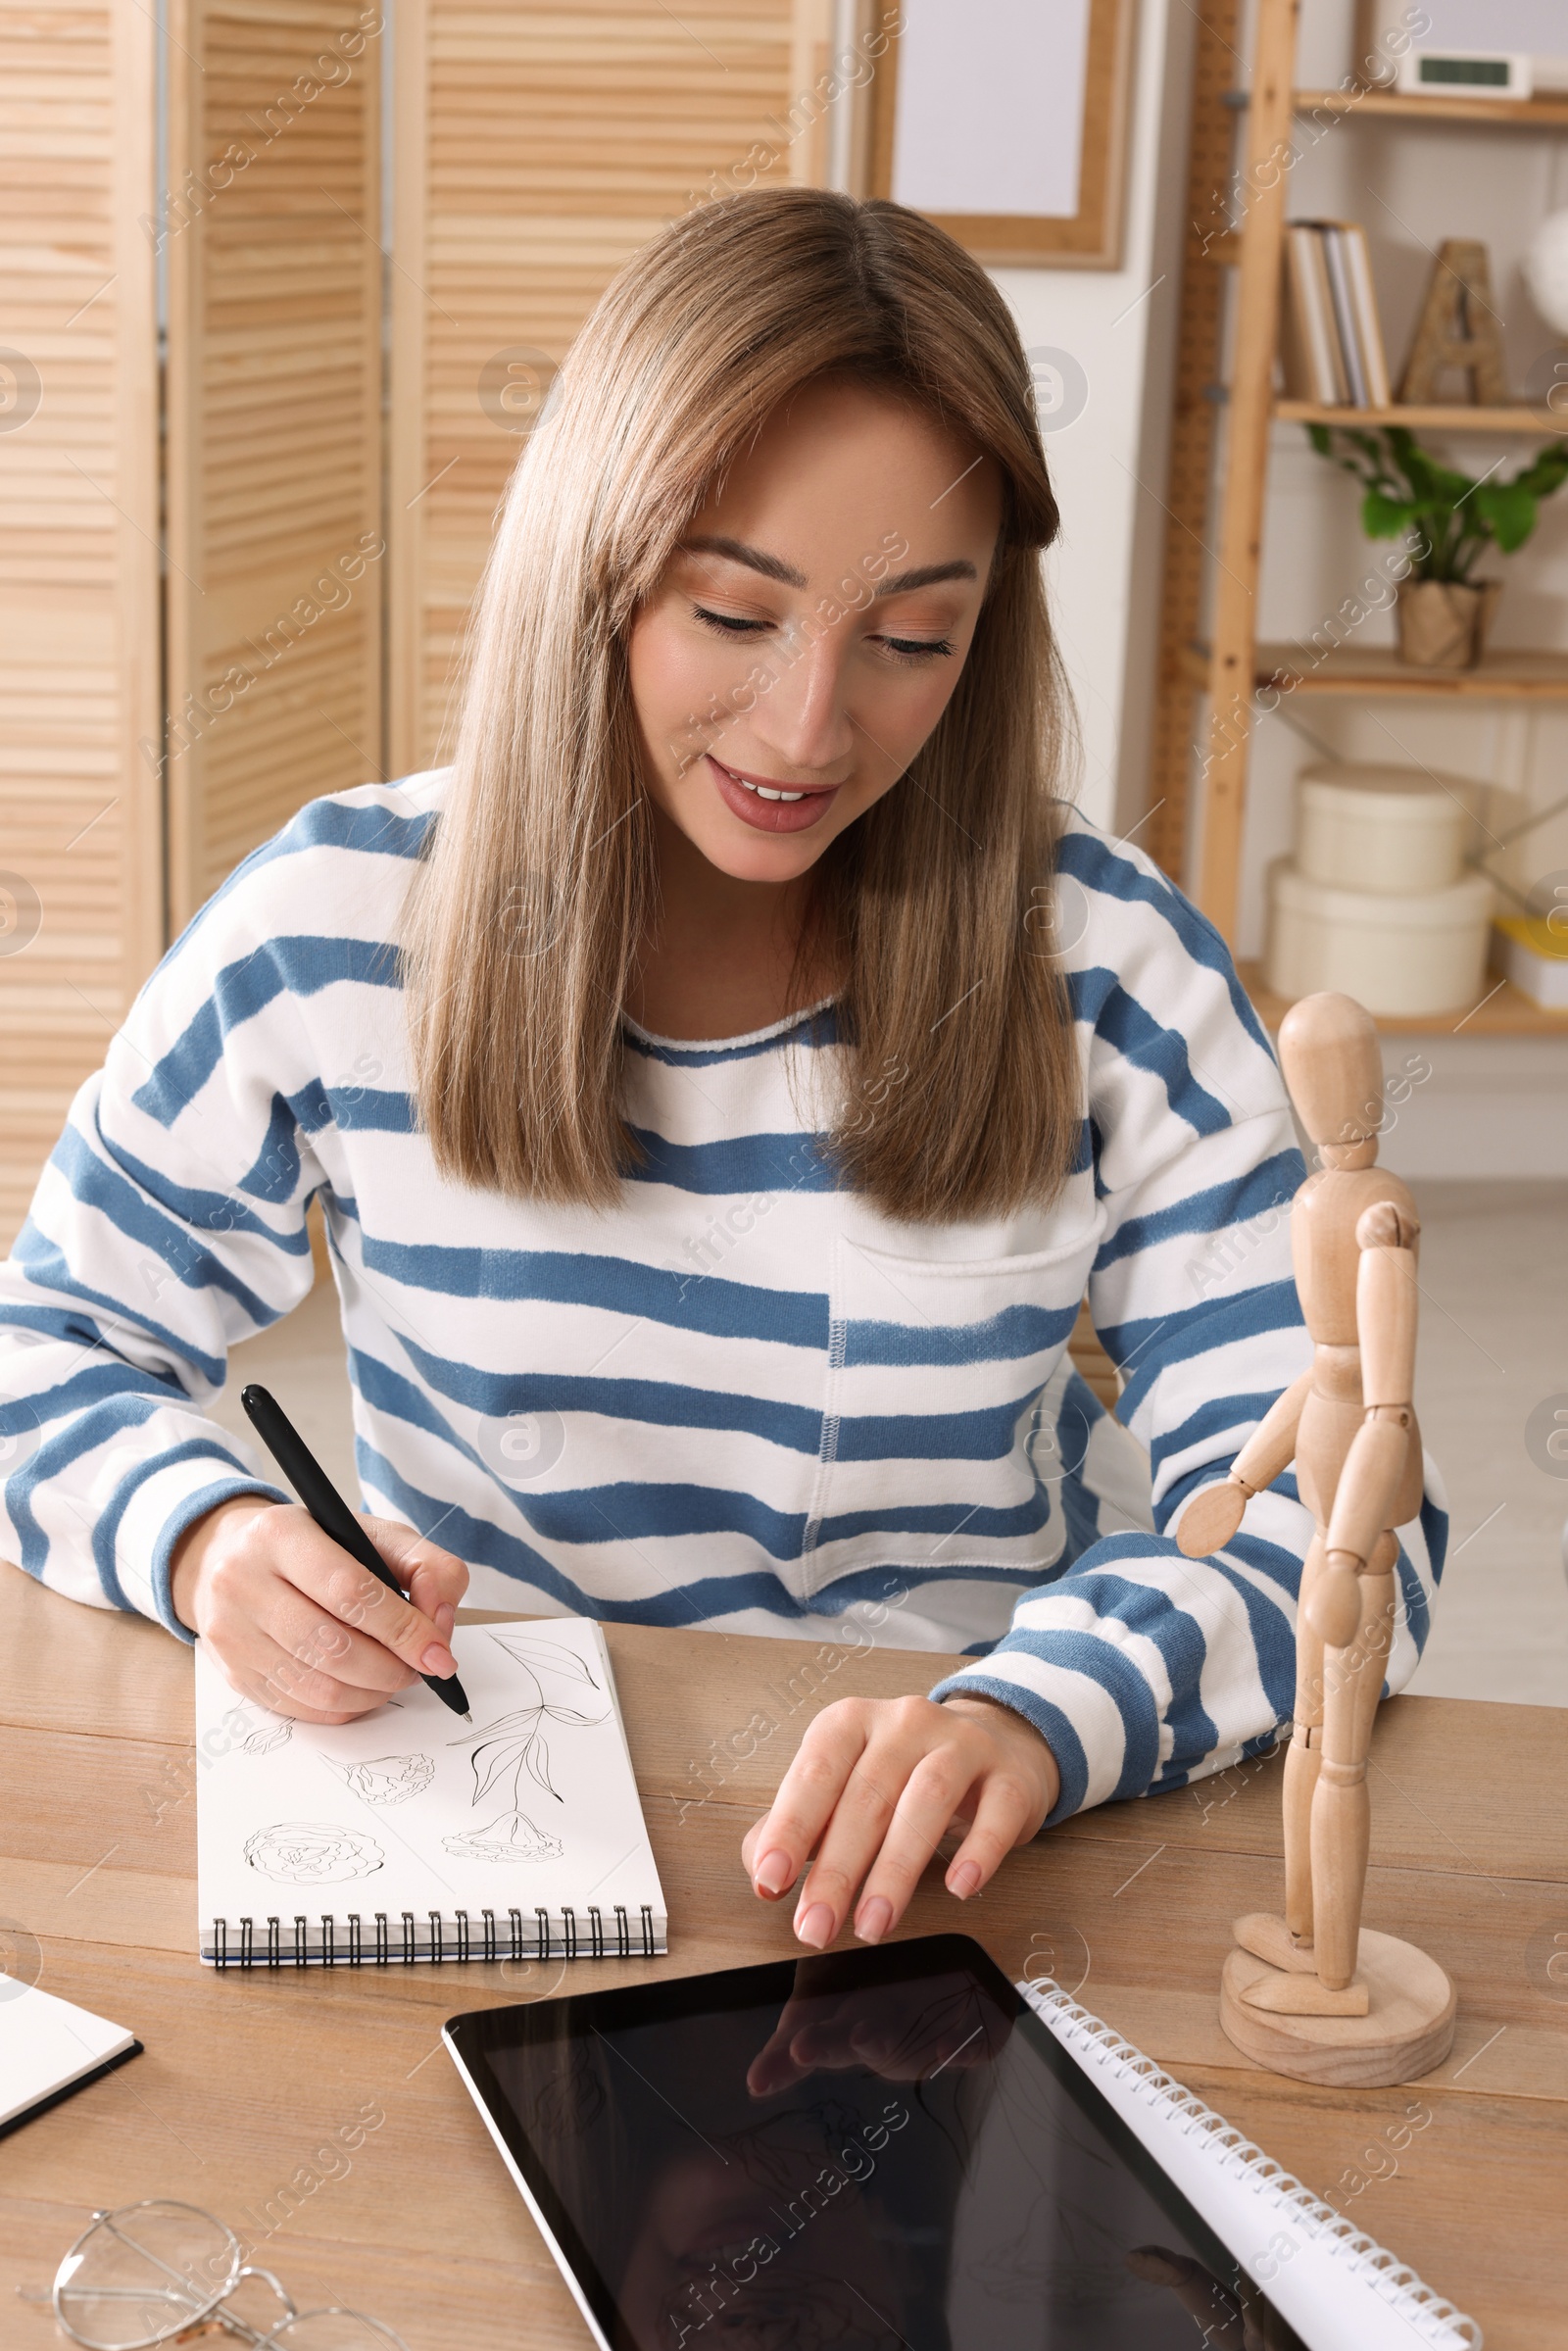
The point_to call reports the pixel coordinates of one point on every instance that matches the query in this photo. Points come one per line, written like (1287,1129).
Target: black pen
(332,1513)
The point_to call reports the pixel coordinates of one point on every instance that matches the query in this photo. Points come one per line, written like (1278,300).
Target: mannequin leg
(1341,1806)
(1302,1759)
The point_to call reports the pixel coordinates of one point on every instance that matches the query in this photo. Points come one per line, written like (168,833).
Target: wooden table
(248,2078)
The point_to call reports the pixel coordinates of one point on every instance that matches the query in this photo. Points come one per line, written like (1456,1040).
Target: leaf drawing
(511,1836)
(514,1743)
(526,1649)
(389,1779)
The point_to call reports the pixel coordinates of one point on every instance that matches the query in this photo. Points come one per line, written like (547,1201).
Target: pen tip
(467,1718)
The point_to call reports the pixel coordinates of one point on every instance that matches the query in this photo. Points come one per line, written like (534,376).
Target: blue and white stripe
(743,1398)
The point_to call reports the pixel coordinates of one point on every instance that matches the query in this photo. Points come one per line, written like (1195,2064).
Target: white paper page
(46,2043)
(989,109)
(533,1807)
(1336,2287)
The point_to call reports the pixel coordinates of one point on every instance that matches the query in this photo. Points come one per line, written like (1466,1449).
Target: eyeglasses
(163,2272)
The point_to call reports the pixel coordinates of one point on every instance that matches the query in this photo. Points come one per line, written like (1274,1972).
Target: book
(1342,303)
(1328,2279)
(411,1835)
(1351,237)
(1314,368)
(50,2047)
(1534,954)
(1331,335)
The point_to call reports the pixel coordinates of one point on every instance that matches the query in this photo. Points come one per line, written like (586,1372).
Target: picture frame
(1023,169)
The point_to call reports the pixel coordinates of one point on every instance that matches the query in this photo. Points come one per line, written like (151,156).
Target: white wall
(1110,463)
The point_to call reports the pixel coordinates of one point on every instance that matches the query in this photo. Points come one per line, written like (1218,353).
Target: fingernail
(964,1880)
(873,1919)
(773,1873)
(815,1927)
(439,1661)
(446,1616)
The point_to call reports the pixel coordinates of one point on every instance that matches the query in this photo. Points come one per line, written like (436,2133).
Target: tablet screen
(860,2151)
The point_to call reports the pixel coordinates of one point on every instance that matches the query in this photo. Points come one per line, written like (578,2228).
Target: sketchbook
(49,2047)
(414,1835)
(1329,2280)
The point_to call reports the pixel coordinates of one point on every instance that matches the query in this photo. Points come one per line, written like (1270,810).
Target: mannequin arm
(1375,1466)
(1214,1512)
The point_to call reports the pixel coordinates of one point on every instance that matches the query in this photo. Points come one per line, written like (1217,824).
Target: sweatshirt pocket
(934,1370)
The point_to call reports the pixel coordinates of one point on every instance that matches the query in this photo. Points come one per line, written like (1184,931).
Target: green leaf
(1385,517)
(1510,509)
(1546,472)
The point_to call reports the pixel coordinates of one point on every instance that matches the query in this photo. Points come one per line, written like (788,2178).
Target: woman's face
(810,629)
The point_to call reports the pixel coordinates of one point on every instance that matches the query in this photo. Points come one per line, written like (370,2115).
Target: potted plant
(1449,518)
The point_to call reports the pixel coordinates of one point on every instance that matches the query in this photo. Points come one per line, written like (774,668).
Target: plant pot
(1442,623)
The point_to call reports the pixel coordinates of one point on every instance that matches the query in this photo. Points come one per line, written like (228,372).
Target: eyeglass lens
(138,2276)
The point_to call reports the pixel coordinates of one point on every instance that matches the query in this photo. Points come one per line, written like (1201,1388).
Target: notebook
(50,2047)
(1327,2279)
(412,1834)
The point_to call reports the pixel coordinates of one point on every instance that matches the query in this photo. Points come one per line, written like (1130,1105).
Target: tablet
(869,2149)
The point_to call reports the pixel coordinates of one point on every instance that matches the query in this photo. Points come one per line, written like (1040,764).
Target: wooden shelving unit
(1435,418)
(1384,106)
(1212,665)
(1501,1010)
(1377,669)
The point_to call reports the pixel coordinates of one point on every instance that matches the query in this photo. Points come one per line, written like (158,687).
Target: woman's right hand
(301,1627)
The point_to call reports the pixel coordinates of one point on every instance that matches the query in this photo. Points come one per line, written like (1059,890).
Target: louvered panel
(537,148)
(79,843)
(274,422)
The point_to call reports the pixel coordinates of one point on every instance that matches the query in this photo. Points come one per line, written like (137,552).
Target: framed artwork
(1006,121)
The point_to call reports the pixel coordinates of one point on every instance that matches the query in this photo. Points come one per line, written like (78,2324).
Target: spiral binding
(380,1943)
(1440,2322)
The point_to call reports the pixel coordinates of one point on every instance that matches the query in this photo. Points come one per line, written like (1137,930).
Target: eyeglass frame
(210,2310)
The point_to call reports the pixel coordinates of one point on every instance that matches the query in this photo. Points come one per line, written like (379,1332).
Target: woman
(719,1087)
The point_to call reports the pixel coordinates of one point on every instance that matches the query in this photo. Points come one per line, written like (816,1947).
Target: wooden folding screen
(275,547)
(537,146)
(80,857)
(191,607)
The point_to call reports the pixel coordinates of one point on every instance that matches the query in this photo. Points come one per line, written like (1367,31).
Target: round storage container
(1394,951)
(1393,829)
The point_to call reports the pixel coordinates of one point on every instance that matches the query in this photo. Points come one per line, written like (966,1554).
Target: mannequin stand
(1407,2030)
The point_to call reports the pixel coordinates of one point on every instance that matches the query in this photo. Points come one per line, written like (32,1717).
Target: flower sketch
(511,1836)
(312,1853)
(389,1779)
(257,1732)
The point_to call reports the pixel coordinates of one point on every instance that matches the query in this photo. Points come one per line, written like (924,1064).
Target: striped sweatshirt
(742,1398)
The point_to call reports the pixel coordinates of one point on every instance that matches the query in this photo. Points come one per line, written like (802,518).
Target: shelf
(1505,1011)
(1527,113)
(1378,669)
(1434,416)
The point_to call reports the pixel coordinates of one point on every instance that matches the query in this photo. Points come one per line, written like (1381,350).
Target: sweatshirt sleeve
(1141,1668)
(169,1225)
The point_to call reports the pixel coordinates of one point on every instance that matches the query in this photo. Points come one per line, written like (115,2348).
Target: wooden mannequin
(1314,1995)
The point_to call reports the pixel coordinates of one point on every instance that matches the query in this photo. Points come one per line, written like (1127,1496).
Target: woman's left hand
(873,1790)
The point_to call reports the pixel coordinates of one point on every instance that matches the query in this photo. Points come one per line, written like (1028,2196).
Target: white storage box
(1395,950)
(1535,956)
(1379,828)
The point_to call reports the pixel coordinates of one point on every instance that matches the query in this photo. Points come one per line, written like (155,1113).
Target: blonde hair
(962,1094)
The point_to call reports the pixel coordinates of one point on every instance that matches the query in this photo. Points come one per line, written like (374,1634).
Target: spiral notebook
(50,2047)
(1334,2284)
(412,1834)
